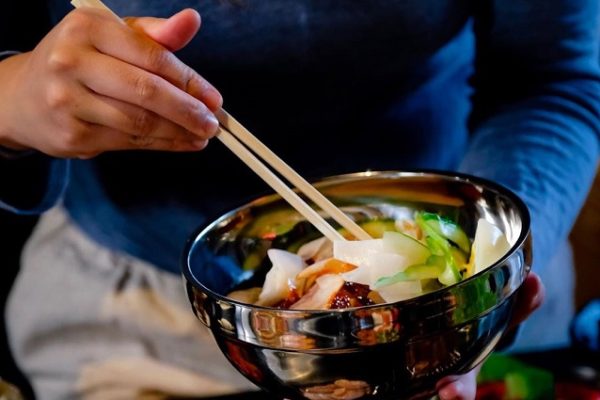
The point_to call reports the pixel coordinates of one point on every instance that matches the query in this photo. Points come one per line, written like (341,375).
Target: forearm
(10,63)
(536,119)
(546,150)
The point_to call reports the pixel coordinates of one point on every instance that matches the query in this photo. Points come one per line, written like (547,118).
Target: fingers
(109,77)
(95,84)
(81,139)
(138,49)
(460,387)
(530,297)
(173,33)
(109,139)
(129,119)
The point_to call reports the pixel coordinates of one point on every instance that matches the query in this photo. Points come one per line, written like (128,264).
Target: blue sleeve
(536,119)
(33,183)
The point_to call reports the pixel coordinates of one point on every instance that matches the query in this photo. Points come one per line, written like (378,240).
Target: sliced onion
(321,294)
(280,278)
(356,252)
(316,250)
(376,266)
(490,245)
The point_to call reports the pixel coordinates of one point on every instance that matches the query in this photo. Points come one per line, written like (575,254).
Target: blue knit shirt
(505,89)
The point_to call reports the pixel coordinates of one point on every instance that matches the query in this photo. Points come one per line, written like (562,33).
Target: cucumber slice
(451,275)
(414,251)
(412,273)
(440,248)
(272,224)
(460,257)
(447,229)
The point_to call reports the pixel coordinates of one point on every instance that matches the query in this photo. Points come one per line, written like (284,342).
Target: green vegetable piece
(460,258)
(424,271)
(412,273)
(405,245)
(439,246)
(451,274)
(276,223)
(447,229)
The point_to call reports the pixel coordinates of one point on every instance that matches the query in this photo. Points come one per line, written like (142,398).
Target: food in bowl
(409,257)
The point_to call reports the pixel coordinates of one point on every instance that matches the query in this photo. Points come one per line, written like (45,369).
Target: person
(509,91)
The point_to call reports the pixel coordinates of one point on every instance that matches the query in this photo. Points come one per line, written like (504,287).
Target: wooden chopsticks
(229,140)
(236,137)
(93,4)
(248,139)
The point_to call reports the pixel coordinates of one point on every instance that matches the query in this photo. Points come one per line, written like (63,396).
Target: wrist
(10,63)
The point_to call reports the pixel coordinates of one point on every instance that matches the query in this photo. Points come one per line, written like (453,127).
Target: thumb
(529,298)
(173,33)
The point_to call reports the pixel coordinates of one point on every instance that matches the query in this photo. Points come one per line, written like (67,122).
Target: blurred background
(585,239)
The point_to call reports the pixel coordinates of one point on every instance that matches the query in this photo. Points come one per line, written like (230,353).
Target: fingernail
(212,96)
(211,124)
(218,100)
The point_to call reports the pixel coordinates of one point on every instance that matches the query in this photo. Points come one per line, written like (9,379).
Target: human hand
(464,387)
(95,84)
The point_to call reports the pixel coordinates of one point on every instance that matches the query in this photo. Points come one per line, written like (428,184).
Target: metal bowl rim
(428,173)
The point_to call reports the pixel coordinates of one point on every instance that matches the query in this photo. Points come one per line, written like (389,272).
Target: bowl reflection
(389,351)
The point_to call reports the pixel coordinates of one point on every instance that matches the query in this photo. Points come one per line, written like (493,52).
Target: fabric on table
(129,330)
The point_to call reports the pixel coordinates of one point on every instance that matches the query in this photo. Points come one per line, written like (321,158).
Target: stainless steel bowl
(391,351)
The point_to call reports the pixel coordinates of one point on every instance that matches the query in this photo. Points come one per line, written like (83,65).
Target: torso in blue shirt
(331,86)
(346,85)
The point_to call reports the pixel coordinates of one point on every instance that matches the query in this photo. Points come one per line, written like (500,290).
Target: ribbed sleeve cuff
(32,184)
